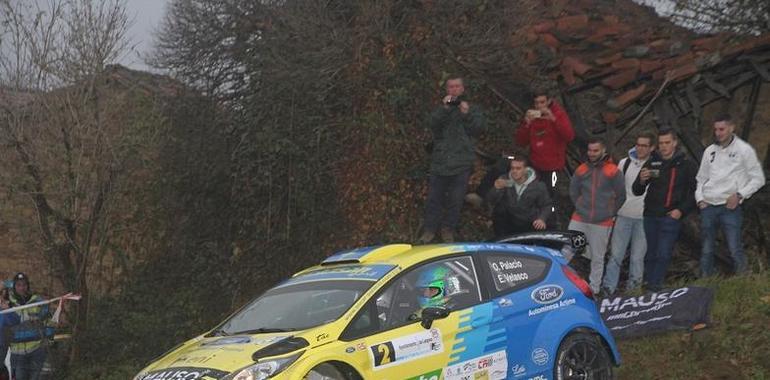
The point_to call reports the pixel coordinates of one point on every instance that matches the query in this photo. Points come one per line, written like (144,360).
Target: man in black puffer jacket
(669,177)
(519,202)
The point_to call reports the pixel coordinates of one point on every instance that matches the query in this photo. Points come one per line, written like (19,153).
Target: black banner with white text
(651,313)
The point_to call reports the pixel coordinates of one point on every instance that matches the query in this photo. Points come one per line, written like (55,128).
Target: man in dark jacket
(598,191)
(669,178)
(454,125)
(519,202)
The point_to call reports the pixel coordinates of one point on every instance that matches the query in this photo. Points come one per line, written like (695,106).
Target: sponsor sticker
(230,340)
(432,375)
(518,370)
(407,348)
(547,294)
(185,373)
(551,307)
(361,346)
(540,356)
(504,302)
(493,367)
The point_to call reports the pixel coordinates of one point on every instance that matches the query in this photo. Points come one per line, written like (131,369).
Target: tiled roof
(625,48)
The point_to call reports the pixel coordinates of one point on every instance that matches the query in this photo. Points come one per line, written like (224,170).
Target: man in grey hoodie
(629,224)
(519,203)
(597,190)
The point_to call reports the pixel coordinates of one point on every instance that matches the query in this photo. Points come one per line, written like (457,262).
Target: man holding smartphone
(547,130)
(729,174)
(669,180)
(454,125)
(519,203)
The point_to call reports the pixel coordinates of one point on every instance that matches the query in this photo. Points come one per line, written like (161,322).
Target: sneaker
(447,235)
(426,237)
(474,199)
(604,293)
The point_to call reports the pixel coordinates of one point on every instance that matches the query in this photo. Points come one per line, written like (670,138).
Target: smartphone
(654,173)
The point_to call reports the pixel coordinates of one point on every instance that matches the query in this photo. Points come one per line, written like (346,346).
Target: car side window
(510,272)
(450,283)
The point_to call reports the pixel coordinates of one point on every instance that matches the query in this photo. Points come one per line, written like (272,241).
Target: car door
(512,281)
(387,339)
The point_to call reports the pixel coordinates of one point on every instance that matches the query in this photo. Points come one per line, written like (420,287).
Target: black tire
(582,356)
(325,371)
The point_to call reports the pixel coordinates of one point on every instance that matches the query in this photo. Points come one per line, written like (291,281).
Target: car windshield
(296,307)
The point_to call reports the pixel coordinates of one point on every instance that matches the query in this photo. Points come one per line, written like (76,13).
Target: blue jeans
(445,192)
(28,366)
(626,230)
(730,220)
(661,232)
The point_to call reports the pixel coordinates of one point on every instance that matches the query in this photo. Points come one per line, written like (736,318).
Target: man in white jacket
(629,224)
(729,174)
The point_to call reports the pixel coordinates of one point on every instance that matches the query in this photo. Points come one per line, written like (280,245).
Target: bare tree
(742,17)
(64,144)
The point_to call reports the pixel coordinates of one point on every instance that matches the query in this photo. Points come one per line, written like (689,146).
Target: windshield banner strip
(343,272)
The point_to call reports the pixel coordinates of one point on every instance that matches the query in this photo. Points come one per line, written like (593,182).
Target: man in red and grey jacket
(597,190)
(547,131)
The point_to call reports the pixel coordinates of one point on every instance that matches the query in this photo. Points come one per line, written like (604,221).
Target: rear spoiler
(558,240)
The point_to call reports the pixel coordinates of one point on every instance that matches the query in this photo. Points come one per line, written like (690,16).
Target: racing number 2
(383,353)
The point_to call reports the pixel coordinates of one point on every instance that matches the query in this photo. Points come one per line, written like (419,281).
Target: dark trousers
(493,172)
(445,193)
(505,225)
(557,183)
(28,366)
(662,234)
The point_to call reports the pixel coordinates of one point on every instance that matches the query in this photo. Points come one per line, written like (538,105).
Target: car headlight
(263,370)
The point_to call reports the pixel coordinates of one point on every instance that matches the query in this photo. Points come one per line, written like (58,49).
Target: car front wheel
(582,356)
(325,371)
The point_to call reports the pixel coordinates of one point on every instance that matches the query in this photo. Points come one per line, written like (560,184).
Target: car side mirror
(430,314)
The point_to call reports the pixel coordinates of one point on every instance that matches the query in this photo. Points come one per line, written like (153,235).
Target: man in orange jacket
(597,190)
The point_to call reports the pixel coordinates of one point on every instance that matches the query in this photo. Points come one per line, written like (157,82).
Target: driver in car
(435,286)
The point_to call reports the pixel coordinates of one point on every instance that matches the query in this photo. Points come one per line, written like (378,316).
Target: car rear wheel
(582,356)
(325,371)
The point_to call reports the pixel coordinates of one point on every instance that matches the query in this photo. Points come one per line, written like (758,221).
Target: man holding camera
(597,190)
(729,174)
(547,130)
(519,203)
(668,177)
(454,125)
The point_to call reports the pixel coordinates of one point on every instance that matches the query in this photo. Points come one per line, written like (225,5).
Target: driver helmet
(436,285)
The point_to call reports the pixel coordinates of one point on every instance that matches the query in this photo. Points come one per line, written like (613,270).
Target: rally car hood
(209,358)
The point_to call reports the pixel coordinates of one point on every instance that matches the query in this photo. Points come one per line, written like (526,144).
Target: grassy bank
(735,346)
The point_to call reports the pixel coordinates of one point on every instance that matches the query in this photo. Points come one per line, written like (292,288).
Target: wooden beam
(760,69)
(756,86)
(717,87)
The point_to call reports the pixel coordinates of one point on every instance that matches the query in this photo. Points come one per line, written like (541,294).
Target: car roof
(406,255)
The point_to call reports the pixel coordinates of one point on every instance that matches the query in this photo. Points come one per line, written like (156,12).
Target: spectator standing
(29,331)
(547,130)
(668,178)
(4,305)
(597,190)
(454,125)
(519,203)
(629,224)
(729,173)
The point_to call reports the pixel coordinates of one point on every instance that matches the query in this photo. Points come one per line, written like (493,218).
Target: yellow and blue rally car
(457,311)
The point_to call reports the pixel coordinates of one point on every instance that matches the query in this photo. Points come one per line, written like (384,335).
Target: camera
(534,114)
(454,102)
